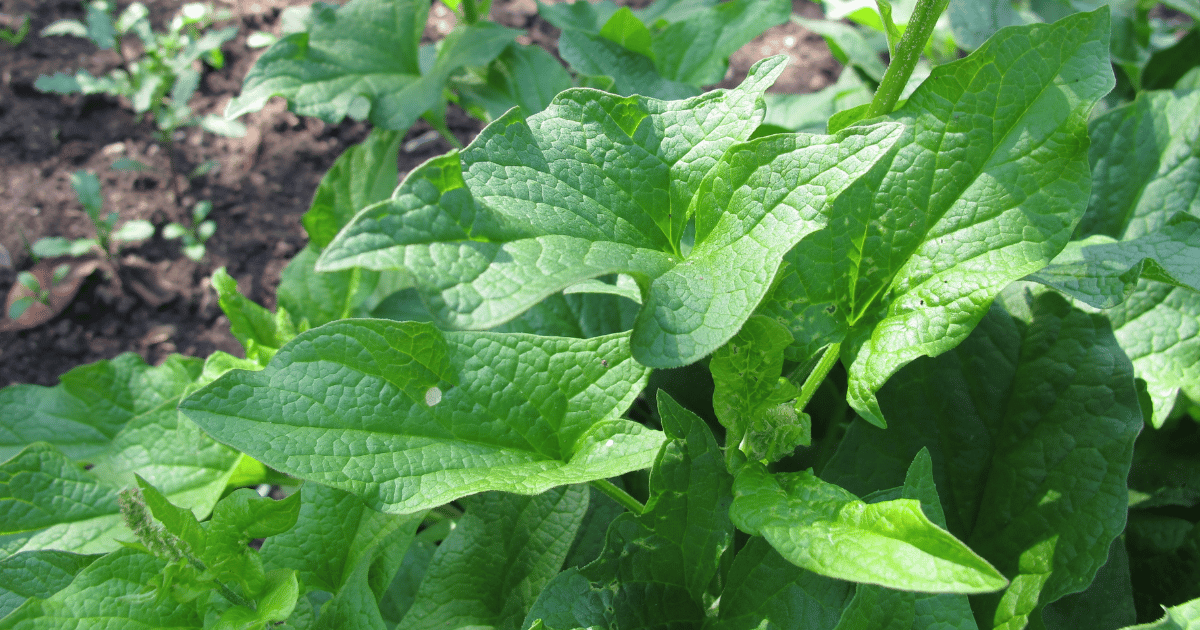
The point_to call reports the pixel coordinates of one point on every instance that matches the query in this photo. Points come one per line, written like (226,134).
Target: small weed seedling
(40,294)
(13,30)
(195,236)
(87,188)
(163,80)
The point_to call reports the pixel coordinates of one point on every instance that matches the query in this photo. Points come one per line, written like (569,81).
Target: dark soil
(161,302)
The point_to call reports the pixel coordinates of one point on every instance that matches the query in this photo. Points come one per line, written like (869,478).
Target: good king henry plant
(892,239)
(544,272)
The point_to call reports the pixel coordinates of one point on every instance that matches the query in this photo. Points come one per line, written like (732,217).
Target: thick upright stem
(908,51)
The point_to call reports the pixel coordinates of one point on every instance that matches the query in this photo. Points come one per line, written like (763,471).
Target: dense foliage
(646,357)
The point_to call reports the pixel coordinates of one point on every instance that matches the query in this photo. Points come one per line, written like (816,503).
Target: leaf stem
(908,51)
(470,13)
(619,495)
(817,376)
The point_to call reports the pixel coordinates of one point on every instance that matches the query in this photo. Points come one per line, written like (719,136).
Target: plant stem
(470,13)
(908,51)
(619,495)
(817,376)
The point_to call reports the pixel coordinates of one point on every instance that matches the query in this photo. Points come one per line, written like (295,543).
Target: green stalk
(908,51)
(817,376)
(619,495)
(470,13)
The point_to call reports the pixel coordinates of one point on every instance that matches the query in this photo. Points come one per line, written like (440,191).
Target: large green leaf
(524,212)
(1030,423)
(1146,183)
(341,546)
(829,531)
(361,60)
(1158,327)
(986,186)
(37,574)
(75,509)
(99,598)
(876,607)
(502,552)
(408,417)
(1145,165)
(1103,272)
(92,403)
(657,568)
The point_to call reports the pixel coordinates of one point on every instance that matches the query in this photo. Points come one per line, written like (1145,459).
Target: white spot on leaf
(433,396)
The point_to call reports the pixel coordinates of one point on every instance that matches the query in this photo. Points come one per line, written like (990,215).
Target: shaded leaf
(1037,399)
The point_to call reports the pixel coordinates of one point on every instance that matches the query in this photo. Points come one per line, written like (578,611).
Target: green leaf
(696,50)
(1107,603)
(100,25)
(37,574)
(82,83)
(434,416)
(631,72)
(363,174)
(1103,272)
(1014,417)
(138,230)
(751,398)
(581,315)
(525,76)
(43,491)
(1158,327)
(177,521)
(120,417)
(1144,158)
(522,214)
(362,58)
(809,113)
(1166,68)
(763,587)
(312,299)
(848,46)
(984,187)
(973,22)
(657,569)
(580,15)
(689,48)
(92,404)
(875,607)
(87,189)
(341,546)
(260,332)
(624,29)
(1181,617)
(829,531)
(501,554)
(100,595)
